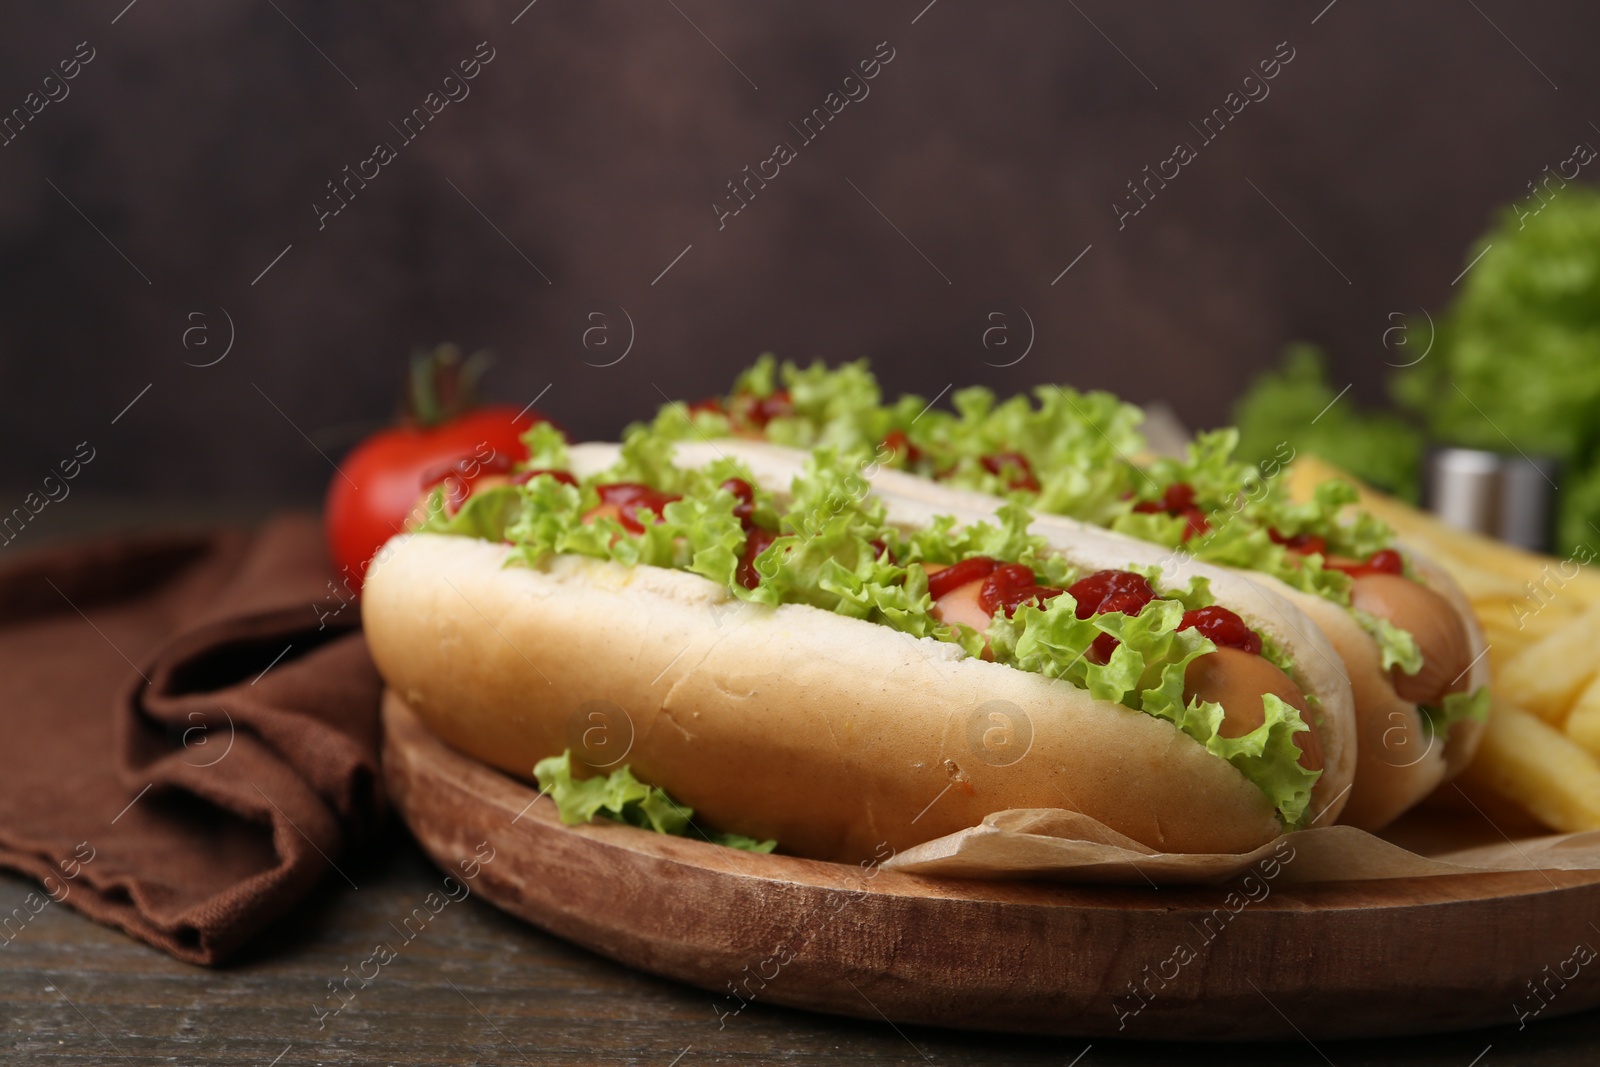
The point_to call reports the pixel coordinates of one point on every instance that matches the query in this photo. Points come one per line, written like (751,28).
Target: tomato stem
(442,384)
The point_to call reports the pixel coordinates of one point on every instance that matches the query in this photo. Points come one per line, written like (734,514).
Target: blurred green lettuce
(1516,362)
(1381,449)
(1513,367)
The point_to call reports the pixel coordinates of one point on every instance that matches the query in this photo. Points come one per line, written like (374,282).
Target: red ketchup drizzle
(1223,627)
(1022,476)
(901,447)
(772,407)
(1010,586)
(746,498)
(1093,591)
(527,476)
(1383,561)
(713,404)
(755,543)
(632,498)
(1005,585)
(954,577)
(1178,501)
(754,412)
(1303,543)
(1105,591)
(756,539)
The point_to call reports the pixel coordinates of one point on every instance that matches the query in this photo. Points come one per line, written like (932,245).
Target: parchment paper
(1438,839)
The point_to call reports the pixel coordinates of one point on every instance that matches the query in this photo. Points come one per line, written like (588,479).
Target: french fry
(1500,653)
(1536,766)
(1480,582)
(1508,637)
(1542,622)
(1583,722)
(1545,678)
(1510,630)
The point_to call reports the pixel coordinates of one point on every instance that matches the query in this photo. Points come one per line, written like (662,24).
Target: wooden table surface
(479,987)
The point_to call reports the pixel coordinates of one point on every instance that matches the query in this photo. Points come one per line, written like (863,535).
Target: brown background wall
(201,134)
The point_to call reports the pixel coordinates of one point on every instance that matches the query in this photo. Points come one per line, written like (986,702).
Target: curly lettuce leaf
(1279,657)
(1079,446)
(825,556)
(759,379)
(1239,501)
(699,533)
(647,458)
(1348,532)
(675,421)
(1250,548)
(1454,708)
(831,485)
(837,571)
(551,521)
(547,448)
(622,797)
(1053,641)
(1397,647)
(487,514)
(841,408)
(1197,594)
(1267,755)
(711,536)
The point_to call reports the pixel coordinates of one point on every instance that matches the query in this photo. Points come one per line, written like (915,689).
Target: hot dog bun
(832,735)
(1399,761)
(835,736)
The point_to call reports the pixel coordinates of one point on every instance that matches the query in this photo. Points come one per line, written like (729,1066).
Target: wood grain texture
(543,1001)
(1318,962)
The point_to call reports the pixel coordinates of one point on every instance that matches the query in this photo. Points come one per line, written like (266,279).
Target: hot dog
(1410,647)
(787,672)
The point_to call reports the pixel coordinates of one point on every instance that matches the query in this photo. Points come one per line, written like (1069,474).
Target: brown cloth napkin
(188,731)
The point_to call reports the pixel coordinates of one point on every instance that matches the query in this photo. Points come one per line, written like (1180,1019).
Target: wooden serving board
(1336,960)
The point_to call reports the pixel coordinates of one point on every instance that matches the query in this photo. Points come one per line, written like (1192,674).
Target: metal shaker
(1509,497)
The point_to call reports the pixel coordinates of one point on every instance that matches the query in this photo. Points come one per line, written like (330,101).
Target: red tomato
(382,481)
